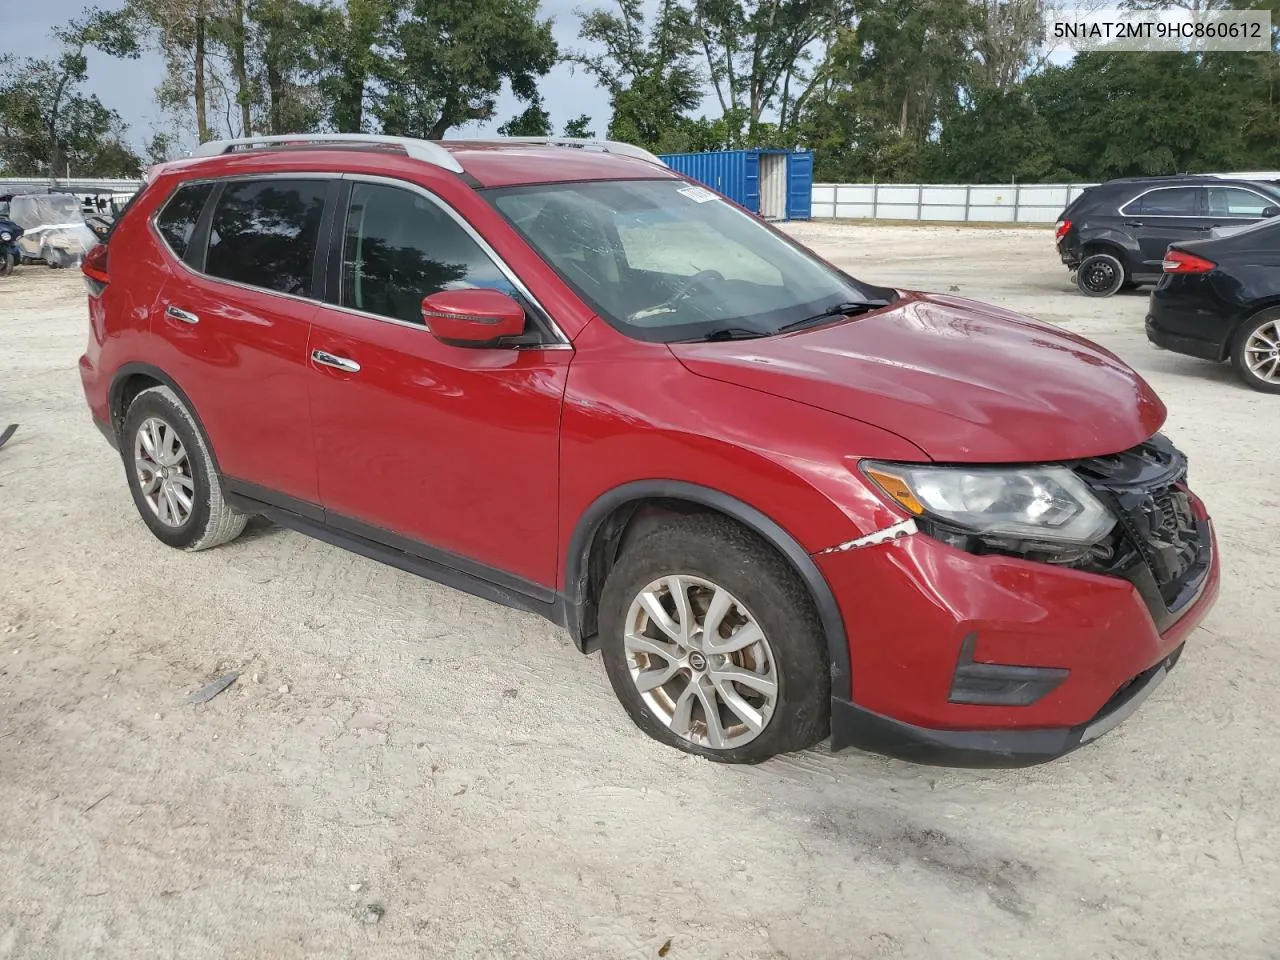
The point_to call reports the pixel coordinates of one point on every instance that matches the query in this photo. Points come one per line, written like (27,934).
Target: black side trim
(431,570)
(577,568)
(1000,684)
(251,498)
(374,542)
(852,726)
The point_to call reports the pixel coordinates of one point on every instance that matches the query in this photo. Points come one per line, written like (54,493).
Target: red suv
(780,501)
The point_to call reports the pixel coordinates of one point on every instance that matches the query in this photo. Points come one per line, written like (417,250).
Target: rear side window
(1170,202)
(264,233)
(1236,202)
(399,247)
(177,221)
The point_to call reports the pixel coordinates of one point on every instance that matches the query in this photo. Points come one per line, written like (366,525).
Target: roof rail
(604,146)
(425,150)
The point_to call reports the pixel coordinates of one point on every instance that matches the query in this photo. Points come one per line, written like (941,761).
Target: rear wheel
(172,477)
(712,643)
(1100,275)
(1255,351)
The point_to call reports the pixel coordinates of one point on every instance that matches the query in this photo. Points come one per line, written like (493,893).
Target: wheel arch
(130,380)
(602,530)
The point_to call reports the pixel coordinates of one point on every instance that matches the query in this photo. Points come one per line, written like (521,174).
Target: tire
(158,420)
(1255,351)
(705,557)
(1099,275)
(8,263)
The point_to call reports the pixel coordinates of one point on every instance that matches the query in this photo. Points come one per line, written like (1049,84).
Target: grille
(1159,543)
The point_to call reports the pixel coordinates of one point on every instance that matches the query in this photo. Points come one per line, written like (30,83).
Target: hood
(964,381)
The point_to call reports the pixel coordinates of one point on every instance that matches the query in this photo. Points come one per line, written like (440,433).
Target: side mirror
(472,318)
(1270,212)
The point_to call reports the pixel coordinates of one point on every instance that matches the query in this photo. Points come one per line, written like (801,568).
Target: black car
(1115,234)
(1219,299)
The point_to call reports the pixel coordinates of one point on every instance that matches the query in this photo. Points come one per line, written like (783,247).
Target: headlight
(1043,504)
(5,236)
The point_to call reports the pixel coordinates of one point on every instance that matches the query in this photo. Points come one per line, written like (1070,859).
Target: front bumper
(852,726)
(921,613)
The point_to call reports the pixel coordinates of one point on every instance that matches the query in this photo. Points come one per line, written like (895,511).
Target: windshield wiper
(726,333)
(850,308)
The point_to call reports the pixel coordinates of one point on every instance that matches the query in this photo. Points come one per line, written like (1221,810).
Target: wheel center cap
(697,661)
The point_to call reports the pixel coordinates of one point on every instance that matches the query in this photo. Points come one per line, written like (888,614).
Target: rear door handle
(178,314)
(326,359)
(1133,223)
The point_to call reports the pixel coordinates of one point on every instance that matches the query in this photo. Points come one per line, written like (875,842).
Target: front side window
(399,247)
(666,260)
(177,221)
(1235,202)
(1173,202)
(264,233)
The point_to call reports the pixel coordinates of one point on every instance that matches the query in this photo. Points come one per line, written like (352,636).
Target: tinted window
(264,233)
(177,221)
(1235,202)
(400,247)
(1172,202)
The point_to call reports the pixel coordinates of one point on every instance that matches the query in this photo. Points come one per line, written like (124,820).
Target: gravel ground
(406,769)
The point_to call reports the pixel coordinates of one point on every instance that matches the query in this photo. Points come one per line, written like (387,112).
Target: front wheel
(1256,351)
(713,645)
(8,263)
(1099,275)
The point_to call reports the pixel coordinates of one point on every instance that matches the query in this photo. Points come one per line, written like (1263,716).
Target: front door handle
(182,315)
(1133,223)
(338,363)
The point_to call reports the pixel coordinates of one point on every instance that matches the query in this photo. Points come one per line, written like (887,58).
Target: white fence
(959,203)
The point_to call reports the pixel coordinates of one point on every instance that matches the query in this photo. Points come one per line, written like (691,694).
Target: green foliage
(47,125)
(579,126)
(451,59)
(533,122)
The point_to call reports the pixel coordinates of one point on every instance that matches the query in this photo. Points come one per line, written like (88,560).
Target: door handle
(1133,223)
(338,363)
(182,315)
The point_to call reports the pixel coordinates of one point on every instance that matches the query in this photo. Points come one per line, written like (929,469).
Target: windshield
(45,209)
(667,260)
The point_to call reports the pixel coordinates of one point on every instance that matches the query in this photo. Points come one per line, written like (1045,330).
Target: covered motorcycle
(9,253)
(53,227)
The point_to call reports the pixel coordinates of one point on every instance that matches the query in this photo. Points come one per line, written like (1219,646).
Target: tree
(286,66)
(533,122)
(757,53)
(580,127)
(451,58)
(47,124)
(353,39)
(652,77)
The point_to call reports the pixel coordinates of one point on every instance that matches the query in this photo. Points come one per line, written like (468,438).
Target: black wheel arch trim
(115,393)
(577,559)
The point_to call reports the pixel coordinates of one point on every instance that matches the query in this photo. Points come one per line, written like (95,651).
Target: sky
(127,86)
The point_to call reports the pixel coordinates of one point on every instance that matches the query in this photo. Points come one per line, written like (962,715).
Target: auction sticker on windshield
(697,194)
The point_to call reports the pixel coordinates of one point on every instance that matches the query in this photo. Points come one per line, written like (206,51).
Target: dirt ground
(403,771)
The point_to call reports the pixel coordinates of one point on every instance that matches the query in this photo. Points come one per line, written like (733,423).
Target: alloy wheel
(1262,352)
(164,472)
(701,662)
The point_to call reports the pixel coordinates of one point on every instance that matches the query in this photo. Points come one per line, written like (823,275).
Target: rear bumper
(1179,343)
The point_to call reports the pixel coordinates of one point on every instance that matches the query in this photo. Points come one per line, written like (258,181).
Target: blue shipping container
(777,184)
